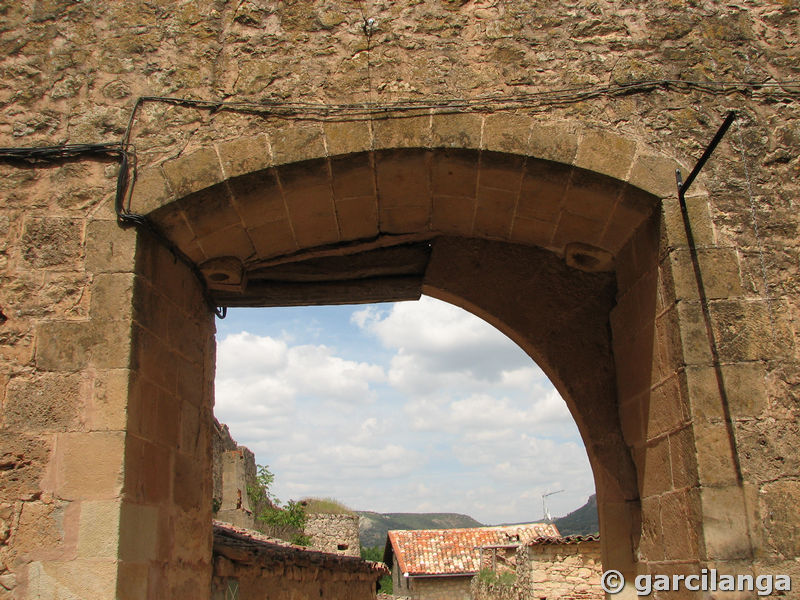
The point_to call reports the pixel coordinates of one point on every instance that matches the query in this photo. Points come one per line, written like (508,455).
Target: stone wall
(234,471)
(557,569)
(249,565)
(561,570)
(337,533)
(439,588)
(106,337)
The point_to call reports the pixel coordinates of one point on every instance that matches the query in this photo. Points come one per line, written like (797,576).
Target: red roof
(456,551)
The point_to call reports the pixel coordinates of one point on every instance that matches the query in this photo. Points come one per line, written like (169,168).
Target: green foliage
(283,521)
(216,503)
(375,554)
(493,577)
(326,506)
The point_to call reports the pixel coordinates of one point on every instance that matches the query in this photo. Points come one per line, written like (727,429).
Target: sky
(402,407)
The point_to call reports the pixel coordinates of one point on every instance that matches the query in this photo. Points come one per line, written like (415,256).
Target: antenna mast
(547,516)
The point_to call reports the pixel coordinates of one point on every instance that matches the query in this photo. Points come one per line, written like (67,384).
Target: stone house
(247,564)
(547,568)
(438,564)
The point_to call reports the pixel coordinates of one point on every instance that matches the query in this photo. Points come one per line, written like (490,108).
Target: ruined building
(514,158)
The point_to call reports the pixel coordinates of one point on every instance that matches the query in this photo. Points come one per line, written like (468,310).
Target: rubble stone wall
(337,533)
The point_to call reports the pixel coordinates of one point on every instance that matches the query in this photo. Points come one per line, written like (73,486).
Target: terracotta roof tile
(455,551)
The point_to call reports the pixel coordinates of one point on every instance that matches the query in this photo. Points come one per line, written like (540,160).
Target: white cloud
(454,417)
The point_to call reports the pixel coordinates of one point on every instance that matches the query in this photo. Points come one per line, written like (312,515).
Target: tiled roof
(569,539)
(252,547)
(455,551)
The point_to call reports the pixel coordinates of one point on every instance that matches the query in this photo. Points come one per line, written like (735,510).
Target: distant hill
(581,521)
(374,526)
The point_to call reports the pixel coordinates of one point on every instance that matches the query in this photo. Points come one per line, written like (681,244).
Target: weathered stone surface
(49,402)
(52,242)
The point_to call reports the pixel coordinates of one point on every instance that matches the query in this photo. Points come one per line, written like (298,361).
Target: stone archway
(562,238)
(567,239)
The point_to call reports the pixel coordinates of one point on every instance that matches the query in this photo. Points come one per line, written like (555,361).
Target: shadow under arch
(559,256)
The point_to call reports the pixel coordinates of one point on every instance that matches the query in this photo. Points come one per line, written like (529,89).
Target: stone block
(748,331)
(683,450)
(147,471)
(347,137)
(605,153)
(150,191)
(26,457)
(655,473)
(45,402)
(402,178)
(132,580)
(502,171)
(257,197)
(680,522)
(108,407)
(74,345)
(664,410)
(505,132)
(87,466)
(454,173)
(313,216)
(229,241)
(719,268)
(410,219)
(703,393)
(674,228)
(173,224)
(352,178)
(99,529)
(188,479)
(272,239)
(402,132)
(138,532)
(81,578)
(651,544)
(193,172)
(724,523)
(557,142)
(209,210)
(357,217)
(693,337)
(532,232)
(655,174)
(51,242)
(112,296)
(592,197)
(746,389)
(297,142)
(778,503)
(244,155)
(494,213)
(576,228)
(153,358)
(456,131)
(46,529)
(715,461)
(453,215)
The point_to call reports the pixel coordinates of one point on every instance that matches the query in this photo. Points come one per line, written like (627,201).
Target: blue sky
(403,407)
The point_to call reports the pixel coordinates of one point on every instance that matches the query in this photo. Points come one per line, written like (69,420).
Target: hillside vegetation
(582,521)
(374,526)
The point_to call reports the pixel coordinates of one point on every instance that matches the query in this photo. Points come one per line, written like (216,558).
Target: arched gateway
(568,239)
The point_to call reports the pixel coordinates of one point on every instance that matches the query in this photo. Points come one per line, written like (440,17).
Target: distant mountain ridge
(581,521)
(374,526)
